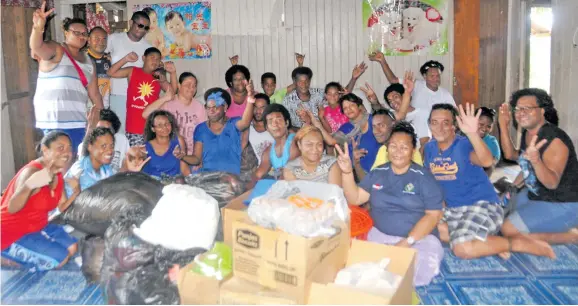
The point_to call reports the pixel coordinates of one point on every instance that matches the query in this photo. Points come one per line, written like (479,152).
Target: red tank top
(33,217)
(143,89)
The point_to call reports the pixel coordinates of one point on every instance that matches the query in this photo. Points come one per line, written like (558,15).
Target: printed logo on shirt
(409,189)
(145,90)
(377,186)
(444,169)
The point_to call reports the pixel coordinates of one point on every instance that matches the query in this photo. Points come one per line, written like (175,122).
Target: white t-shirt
(121,146)
(418,119)
(259,141)
(424,98)
(119,45)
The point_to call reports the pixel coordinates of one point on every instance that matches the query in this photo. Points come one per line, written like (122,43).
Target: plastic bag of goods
(95,207)
(91,249)
(371,277)
(303,208)
(222,186)
(216,263)
(185,217)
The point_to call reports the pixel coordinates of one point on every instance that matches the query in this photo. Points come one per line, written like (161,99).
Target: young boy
(144,87)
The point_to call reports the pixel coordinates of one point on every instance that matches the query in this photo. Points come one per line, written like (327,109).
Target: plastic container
(361,222)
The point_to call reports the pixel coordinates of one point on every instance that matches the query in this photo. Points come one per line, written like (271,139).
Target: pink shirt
(235,110)
(335,118)
(188,117)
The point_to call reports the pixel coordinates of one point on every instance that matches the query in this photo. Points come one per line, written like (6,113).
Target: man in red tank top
(144,87)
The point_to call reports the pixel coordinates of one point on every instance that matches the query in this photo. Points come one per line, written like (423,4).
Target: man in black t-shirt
(96,45)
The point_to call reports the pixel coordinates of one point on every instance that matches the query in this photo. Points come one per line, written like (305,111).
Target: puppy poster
(406,27)
(179,30)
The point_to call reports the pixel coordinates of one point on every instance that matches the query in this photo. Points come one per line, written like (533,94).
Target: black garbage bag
(92,253)
(249,163)
(94,208)
(222,186)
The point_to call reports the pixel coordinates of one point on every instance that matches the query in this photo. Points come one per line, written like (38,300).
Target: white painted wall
(329,32)
(564,64)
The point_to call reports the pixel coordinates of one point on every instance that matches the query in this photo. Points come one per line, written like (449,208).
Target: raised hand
(136,158)
(369,92)
(300,58)
(408,82)
(170,67)
(532,152)
(504,117)
(309,118)
(234,59)
(358,70)
(131,57)
(377,57)
(343,159)
(40,16)
(40,178)
(357,152)
(250,91)
(169,94)
(468,119)
(178,153)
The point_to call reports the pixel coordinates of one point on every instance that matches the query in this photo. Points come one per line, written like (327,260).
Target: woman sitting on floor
(165,147)
(405,200)
(547,208)
(37,189)
(312,165)
(485,127)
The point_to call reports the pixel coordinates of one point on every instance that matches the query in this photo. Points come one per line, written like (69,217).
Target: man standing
(119,45)
(96,47)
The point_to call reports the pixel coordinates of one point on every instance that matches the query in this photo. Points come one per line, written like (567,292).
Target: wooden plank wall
(21,72)
(493,52)
(466,52)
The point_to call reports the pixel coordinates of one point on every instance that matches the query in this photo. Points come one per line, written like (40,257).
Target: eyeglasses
(79,34)
(524,110)
(142,26)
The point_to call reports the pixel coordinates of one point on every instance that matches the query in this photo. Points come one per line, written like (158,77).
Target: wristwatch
(410,240)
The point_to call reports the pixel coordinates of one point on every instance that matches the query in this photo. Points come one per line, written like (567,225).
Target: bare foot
(528,245)
(505,255)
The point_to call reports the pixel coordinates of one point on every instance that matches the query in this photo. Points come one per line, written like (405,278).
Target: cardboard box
(237,291)
(234,210)
(196,289)
(402,263)
(284,262)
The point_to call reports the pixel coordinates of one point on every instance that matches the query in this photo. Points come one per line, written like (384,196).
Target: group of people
(420,163)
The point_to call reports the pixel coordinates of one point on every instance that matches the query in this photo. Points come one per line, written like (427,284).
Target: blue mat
(521,280)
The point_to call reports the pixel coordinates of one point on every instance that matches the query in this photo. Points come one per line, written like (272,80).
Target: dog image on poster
(180,30)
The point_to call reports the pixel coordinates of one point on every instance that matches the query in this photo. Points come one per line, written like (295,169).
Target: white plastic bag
(185,217)
(371,277)
(273,210)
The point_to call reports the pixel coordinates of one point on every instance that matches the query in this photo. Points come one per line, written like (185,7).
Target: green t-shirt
(278,96)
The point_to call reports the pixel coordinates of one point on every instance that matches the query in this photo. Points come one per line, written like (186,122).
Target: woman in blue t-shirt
(164,146)
(357,133)
(485,127)
(405,199)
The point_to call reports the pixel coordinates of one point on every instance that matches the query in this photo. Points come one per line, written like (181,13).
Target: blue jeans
(543,217)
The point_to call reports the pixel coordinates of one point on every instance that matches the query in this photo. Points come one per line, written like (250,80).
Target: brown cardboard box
(284,262)
(402,263)
(234,210)
(196,289)
(237,291)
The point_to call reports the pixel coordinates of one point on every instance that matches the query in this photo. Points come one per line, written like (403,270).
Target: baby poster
(406,27)
(180,30)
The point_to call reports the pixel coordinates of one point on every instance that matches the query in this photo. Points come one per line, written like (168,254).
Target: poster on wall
(406,27)
(180,30)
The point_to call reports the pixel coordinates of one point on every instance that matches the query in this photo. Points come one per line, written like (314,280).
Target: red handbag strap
(75,64)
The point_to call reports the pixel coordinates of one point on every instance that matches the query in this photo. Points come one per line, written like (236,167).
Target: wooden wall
(21,73)
(466,50)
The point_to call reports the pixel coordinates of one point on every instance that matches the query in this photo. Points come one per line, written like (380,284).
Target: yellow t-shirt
(382,158)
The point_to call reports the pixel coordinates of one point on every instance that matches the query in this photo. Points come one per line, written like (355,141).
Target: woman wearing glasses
(165,147)
(547,208)
(66,78)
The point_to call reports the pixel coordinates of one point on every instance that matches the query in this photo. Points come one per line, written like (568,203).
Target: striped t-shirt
(60,99)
